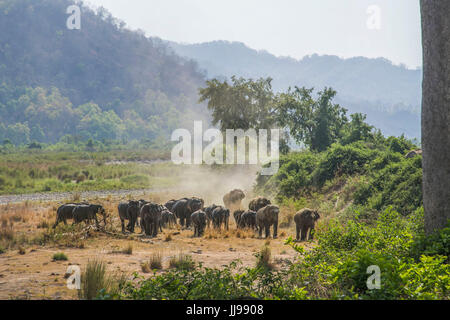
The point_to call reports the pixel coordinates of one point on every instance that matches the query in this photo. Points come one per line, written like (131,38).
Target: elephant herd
(191,212)
(79,212)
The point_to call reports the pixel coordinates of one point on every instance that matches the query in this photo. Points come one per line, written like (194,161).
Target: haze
(292,28)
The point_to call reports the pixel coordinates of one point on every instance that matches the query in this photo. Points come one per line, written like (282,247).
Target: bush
(182,261)
(398,184)
(60,256)
(436,244)
(342,160)
(203,283)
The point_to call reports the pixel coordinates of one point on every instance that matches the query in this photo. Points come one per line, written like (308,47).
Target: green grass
(95,279)
(60,256)
(73,172)
(182,262)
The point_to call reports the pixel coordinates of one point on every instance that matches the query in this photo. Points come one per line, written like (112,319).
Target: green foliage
(357,130)
(127,86)
(202,283)
(398,184)
(182,262)
(386,177)
(435,244)
(293,176)
(316,123)
(243,104)
(60,256)
(337,267)
(44,170)
(342,160)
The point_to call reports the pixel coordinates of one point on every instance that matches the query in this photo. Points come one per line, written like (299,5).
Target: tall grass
(263,258)
(182,261)
(94,279)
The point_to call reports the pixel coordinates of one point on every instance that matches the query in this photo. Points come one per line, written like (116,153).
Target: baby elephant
(267,217)
(305,220)
(198,219)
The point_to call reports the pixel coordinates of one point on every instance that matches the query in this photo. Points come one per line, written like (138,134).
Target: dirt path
(59,196)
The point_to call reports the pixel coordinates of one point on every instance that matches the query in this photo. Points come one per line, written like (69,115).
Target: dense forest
(103,81)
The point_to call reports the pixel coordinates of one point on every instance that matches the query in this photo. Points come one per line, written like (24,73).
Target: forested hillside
(390,95)
(101,82)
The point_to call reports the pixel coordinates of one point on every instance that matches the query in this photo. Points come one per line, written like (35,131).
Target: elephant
(198,219)
(267,217)
(141,204)
(168,218)
(128,211)
(88,212)
(258,203)
(151,218)
(220,215)
(64,212)
(237,217)
(232,200)
(305,220)
(184,207)
(248,219)
(208,211)
(169,204)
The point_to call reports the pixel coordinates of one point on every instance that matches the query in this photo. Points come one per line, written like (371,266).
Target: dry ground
(28,272)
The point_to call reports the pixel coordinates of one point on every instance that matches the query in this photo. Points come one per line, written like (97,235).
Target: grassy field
(71,171)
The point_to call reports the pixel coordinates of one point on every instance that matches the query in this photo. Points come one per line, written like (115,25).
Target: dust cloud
(212,183)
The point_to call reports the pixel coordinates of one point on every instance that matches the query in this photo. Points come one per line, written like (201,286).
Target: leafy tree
(315,122)
(243,104)
(357,129)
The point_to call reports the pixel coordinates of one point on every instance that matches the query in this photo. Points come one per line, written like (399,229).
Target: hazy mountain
(102,81)
(390,95)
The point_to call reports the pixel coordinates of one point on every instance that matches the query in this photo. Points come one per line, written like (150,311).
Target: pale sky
(292,28)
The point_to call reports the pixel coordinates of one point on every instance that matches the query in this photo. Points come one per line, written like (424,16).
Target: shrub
(182,261)
(398,184)
(435,244)
(60,256)
(342,160)
(203,283)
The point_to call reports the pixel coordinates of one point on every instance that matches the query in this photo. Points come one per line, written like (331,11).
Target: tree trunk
(436,112)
